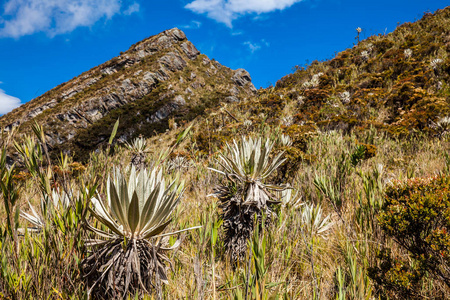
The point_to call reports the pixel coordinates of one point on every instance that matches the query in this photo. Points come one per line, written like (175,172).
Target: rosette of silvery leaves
(131,256)
(245,196)
(58,201)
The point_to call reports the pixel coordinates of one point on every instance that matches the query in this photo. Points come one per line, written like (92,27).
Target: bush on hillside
(416,213)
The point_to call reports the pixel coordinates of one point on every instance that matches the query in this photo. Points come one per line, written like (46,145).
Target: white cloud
(133,8)
(7,102)
(252,46)
(192,25)
(256,46)
(225,11)
(25,17)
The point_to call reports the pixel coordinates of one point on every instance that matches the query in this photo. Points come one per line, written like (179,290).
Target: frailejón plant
(244,195)
(138,148)
(57,201)
(131,256)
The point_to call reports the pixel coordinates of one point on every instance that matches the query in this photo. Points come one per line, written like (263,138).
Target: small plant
(245,196)
(32,154)
(9,189)
(352,281)
(362,152)
(435,63)
(285,140)
(314,222)
(314,225)
(131,257)
(371,201)
(138,148)
(255,279)
(289,198)
(57,201)
(357,155)
(358,32)
(443,126)
(179,163)
(408,53)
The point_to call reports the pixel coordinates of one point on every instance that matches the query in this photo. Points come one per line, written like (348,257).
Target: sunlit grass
(282,261)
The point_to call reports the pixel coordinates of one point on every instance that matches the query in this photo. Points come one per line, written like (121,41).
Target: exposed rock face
(167,109)
(38,110)
(172,62)
(231,99)
(242,78)
(190,50)
(158,78)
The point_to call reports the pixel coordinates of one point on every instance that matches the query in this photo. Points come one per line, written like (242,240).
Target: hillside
(158,83)
(398,83)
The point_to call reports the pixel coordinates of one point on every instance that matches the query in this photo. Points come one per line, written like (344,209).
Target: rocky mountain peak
(160,79)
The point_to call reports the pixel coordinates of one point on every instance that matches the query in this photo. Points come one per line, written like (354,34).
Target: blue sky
(47,42)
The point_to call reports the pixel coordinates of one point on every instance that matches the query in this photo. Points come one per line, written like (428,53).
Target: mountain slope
(397,83)
(163,78)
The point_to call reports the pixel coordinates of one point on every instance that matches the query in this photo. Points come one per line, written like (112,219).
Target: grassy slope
(397,83)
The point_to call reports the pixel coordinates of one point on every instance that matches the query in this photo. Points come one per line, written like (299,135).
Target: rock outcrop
(242,78)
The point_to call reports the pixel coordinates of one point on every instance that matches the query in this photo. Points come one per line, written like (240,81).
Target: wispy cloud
(133,8)
(25,17)
(192,25)
(225,11)
(7,102)
(253,47)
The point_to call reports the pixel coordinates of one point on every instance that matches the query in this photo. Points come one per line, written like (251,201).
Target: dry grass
(288,260)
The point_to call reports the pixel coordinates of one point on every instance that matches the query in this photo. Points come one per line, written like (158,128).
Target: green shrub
(363,152)
(416,213)
(395,278)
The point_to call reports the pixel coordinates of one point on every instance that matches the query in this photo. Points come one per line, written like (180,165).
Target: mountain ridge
(163,73)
